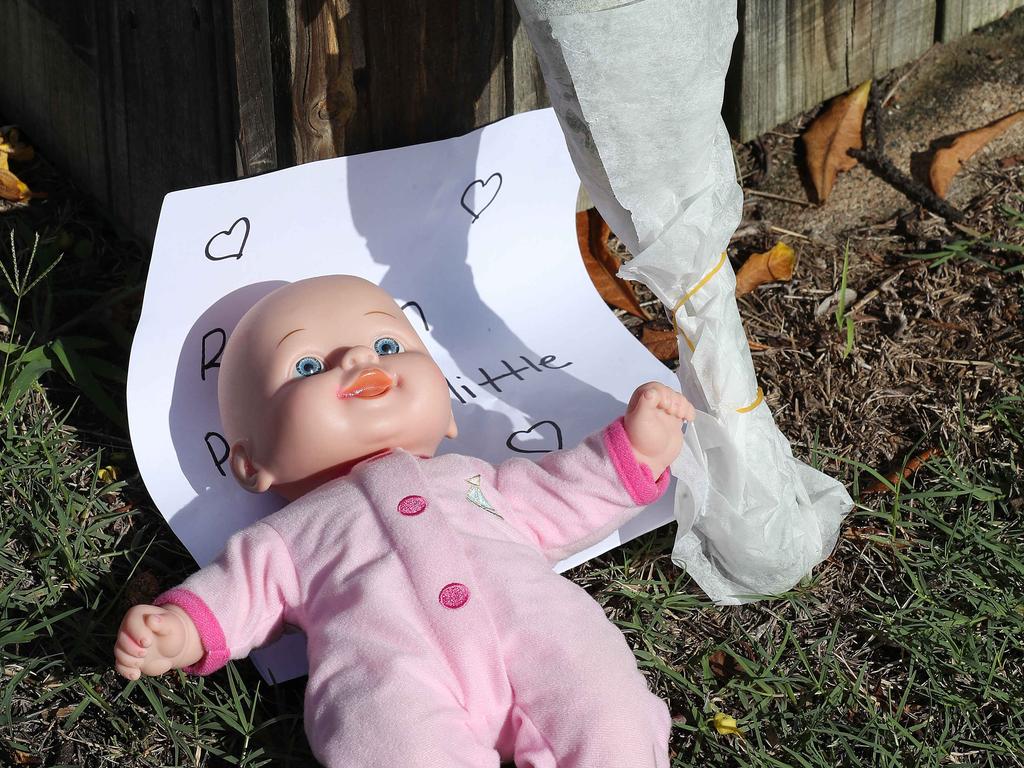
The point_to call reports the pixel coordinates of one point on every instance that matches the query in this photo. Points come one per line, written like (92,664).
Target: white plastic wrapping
(637,86)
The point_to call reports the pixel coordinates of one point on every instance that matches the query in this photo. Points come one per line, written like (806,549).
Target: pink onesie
(438,634)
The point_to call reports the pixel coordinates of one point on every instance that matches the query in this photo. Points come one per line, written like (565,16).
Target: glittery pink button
(454,595)
(412,505)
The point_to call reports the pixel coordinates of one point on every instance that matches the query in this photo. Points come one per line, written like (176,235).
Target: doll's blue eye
(386,346)
(309,366)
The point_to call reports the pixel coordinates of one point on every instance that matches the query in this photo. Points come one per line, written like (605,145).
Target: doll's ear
(453,430)
(248,474)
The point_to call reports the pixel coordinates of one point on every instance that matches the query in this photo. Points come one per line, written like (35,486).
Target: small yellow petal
(12,188)
(726,725)
(108,475)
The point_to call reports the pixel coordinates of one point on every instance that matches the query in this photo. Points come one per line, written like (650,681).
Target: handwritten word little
(491,379)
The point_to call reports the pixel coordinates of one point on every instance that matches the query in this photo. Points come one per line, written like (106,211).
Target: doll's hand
(153,640)
(653,424)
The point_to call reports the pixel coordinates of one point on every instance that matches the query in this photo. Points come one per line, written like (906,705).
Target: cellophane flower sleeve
(637,86)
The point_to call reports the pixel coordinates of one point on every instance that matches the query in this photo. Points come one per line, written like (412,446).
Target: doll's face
(320,374)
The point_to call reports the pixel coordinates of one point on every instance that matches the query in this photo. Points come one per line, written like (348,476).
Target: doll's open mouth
(372,382)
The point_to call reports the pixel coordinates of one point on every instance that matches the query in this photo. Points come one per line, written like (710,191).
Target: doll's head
(320,374)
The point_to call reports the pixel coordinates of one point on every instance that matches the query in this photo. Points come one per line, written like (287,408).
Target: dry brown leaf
(12,188)
(767,267)
(723,665)
(947,161)
(592,233)
(662,343)
(834,131)
(912,466)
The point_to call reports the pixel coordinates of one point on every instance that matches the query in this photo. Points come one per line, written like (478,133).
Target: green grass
(979,247)
(913,659)
(73,549)
(904,649)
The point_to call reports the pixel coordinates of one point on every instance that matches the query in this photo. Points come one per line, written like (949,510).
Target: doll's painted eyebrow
(287,335)
(380,312)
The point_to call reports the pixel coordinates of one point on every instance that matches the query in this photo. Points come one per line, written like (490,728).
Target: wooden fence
(793,54)
(136,98)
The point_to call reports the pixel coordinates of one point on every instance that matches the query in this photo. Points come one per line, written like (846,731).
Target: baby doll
(438,634)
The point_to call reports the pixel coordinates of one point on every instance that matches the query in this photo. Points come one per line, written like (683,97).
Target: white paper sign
(475,236)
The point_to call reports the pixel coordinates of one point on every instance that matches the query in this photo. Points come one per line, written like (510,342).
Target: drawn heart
(558,438)
(483,185)
(227,244)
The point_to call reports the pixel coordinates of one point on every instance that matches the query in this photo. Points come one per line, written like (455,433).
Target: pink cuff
(210,633)
(636,477)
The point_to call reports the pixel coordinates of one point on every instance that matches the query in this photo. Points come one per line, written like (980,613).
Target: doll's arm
(573,498)
(241,600)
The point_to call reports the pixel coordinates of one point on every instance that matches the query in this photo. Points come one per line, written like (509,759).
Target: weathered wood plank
(431,68)
(323,39)
(136,98)
(253,82)
(49,85)
(524,81)
(112,105)
(367,75)
(958,17)
(132,99)
(490,104)
(886,34)
(169,102)
(793,54)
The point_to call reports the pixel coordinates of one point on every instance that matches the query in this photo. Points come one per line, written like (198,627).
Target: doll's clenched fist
(653,424)
(152,640)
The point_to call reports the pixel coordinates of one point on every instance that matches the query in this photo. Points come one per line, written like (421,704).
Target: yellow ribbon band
(753,405)
(690,294)
(679,331)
